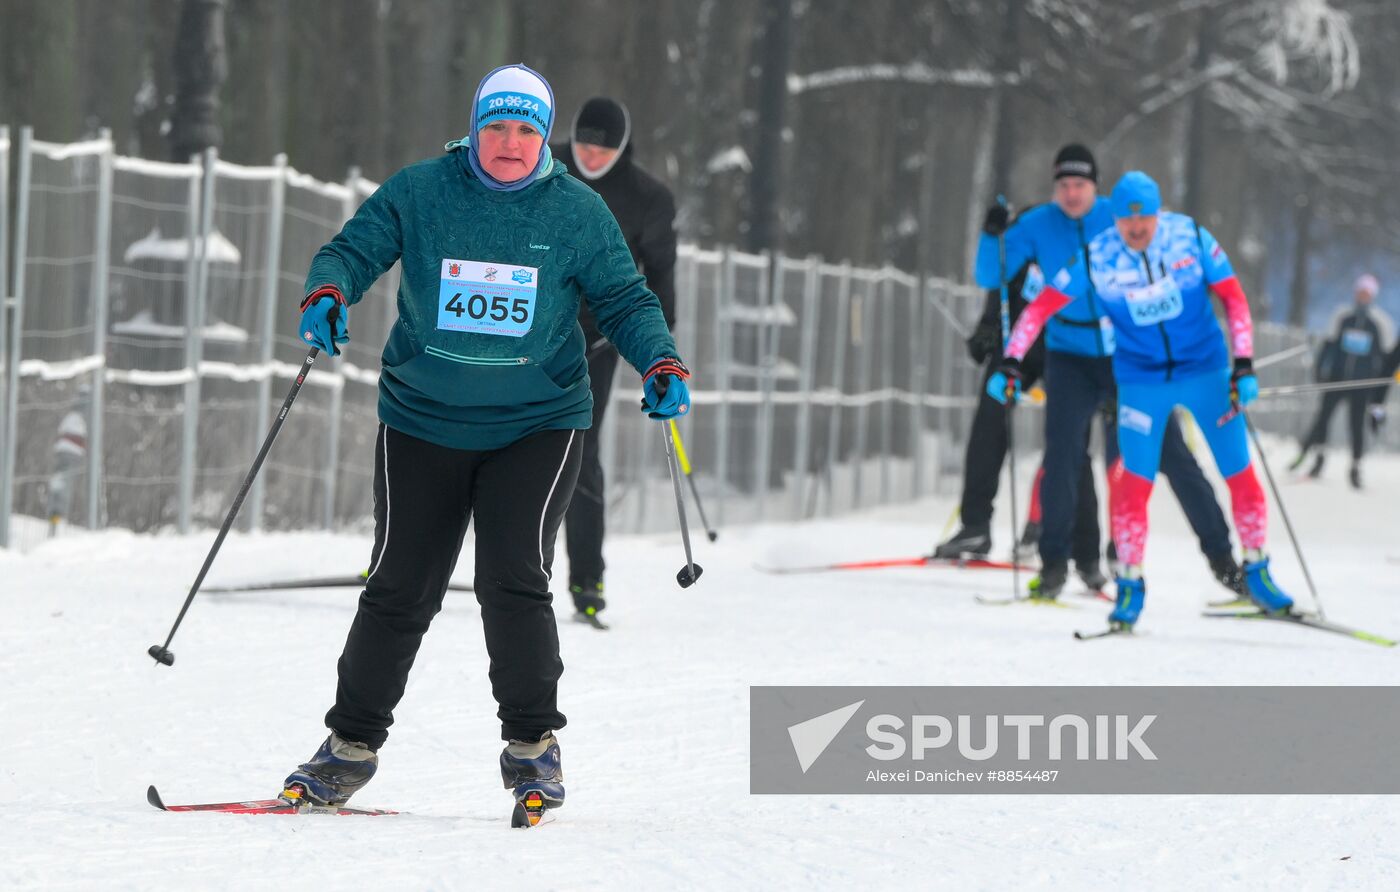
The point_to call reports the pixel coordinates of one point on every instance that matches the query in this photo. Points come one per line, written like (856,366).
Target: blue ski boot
(1131,593)
(534,773)
(1259,585)
(339,769)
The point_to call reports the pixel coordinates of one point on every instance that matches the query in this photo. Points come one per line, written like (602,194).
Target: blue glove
(1005,383)
(664,392)
(1244,385)
(325,321)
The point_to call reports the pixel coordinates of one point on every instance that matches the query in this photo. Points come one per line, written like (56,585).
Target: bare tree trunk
(1298,291)
(201,66)
(1195,153)
(765,189)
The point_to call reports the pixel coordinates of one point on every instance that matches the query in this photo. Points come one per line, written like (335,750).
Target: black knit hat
(602,122)
(1075,160)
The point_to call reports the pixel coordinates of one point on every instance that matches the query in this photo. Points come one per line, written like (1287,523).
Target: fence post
(4,327)
(16,309)
(838,380)
(918,378)
(860,337)
(886,353)
(277,201)
(337,397)
(194,333)
(724,330)
(101,274)
(769,294)
(806,381)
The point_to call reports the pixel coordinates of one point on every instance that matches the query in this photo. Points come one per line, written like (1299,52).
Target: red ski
(922,561)
(262,807)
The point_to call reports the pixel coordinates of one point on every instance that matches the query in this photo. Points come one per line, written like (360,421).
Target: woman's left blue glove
(664,392)
(1244,386)
(317,327)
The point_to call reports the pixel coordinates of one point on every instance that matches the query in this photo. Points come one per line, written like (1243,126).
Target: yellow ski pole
(685,469)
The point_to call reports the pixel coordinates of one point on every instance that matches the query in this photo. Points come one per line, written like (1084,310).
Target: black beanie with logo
(1075,160)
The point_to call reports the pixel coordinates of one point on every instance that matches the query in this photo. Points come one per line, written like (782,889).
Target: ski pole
(691,571)
(1281,356)
(1010,404)
(685,469)
(161,652)
(1284,390)
(1283,512)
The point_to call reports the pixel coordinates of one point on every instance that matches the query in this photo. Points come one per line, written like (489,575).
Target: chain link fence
(149,337)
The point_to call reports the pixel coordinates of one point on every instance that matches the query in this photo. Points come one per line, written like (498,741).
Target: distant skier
(600,154)
(483,399)
(1079,346)
(1358,338)
(1152,274)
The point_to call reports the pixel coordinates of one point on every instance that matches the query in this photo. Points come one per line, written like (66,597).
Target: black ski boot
(968,542)
(588,601)
(1030,541)
(334,774)
(1355,476)
(1051,581)
(1316,470)
(1227,572)
(1091,575)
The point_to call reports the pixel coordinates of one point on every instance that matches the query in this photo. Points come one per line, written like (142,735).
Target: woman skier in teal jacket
(483,398)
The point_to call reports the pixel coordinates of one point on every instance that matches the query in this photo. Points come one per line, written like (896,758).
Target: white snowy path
(657,743)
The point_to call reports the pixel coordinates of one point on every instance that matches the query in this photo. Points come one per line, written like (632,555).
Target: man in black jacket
(987,442)
(1358,338)
(600,154)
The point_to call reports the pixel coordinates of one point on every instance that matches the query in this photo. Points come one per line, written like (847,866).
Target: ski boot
(1027,547)
(534,773)
(1091,575)
(1298,462)
(1227,572)
(1259,584)
(339,769)
(1132,591)
(967,542)
(1355,476)
(588,602)
(1050,582)
(1316,470)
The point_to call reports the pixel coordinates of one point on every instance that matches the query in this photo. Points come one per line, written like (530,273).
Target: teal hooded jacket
(487,349)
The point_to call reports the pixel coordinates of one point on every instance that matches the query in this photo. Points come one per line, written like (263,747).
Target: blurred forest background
(874,131)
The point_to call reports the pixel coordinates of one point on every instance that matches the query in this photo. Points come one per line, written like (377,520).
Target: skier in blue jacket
(1079,345)
(483,400)
(1152,275)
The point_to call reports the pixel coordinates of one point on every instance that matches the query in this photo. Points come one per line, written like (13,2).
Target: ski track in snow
(657,744)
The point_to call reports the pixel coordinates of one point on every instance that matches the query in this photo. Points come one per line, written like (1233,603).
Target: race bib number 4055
(1154,303)
(487,298)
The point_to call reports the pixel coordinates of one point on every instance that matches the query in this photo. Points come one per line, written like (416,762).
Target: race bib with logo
(1356,341)
(487,298)
(1154,303)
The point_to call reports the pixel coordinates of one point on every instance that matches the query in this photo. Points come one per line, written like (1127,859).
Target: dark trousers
(1356,420)
(986,451)
(1076,388)
(424,497)
(583,524)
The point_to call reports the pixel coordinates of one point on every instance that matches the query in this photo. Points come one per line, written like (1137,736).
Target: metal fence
(149,335)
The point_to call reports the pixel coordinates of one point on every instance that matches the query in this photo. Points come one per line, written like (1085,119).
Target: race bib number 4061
(1154,303)
(487,298)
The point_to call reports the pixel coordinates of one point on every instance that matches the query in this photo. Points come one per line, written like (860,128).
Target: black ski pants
(424,497)
(583,524)
(1356,420)
(986,452)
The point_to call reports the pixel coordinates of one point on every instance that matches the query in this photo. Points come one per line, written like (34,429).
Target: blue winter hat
(512,93)
(1136,195)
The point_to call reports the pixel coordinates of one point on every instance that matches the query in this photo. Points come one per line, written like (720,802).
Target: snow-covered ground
(657,743)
